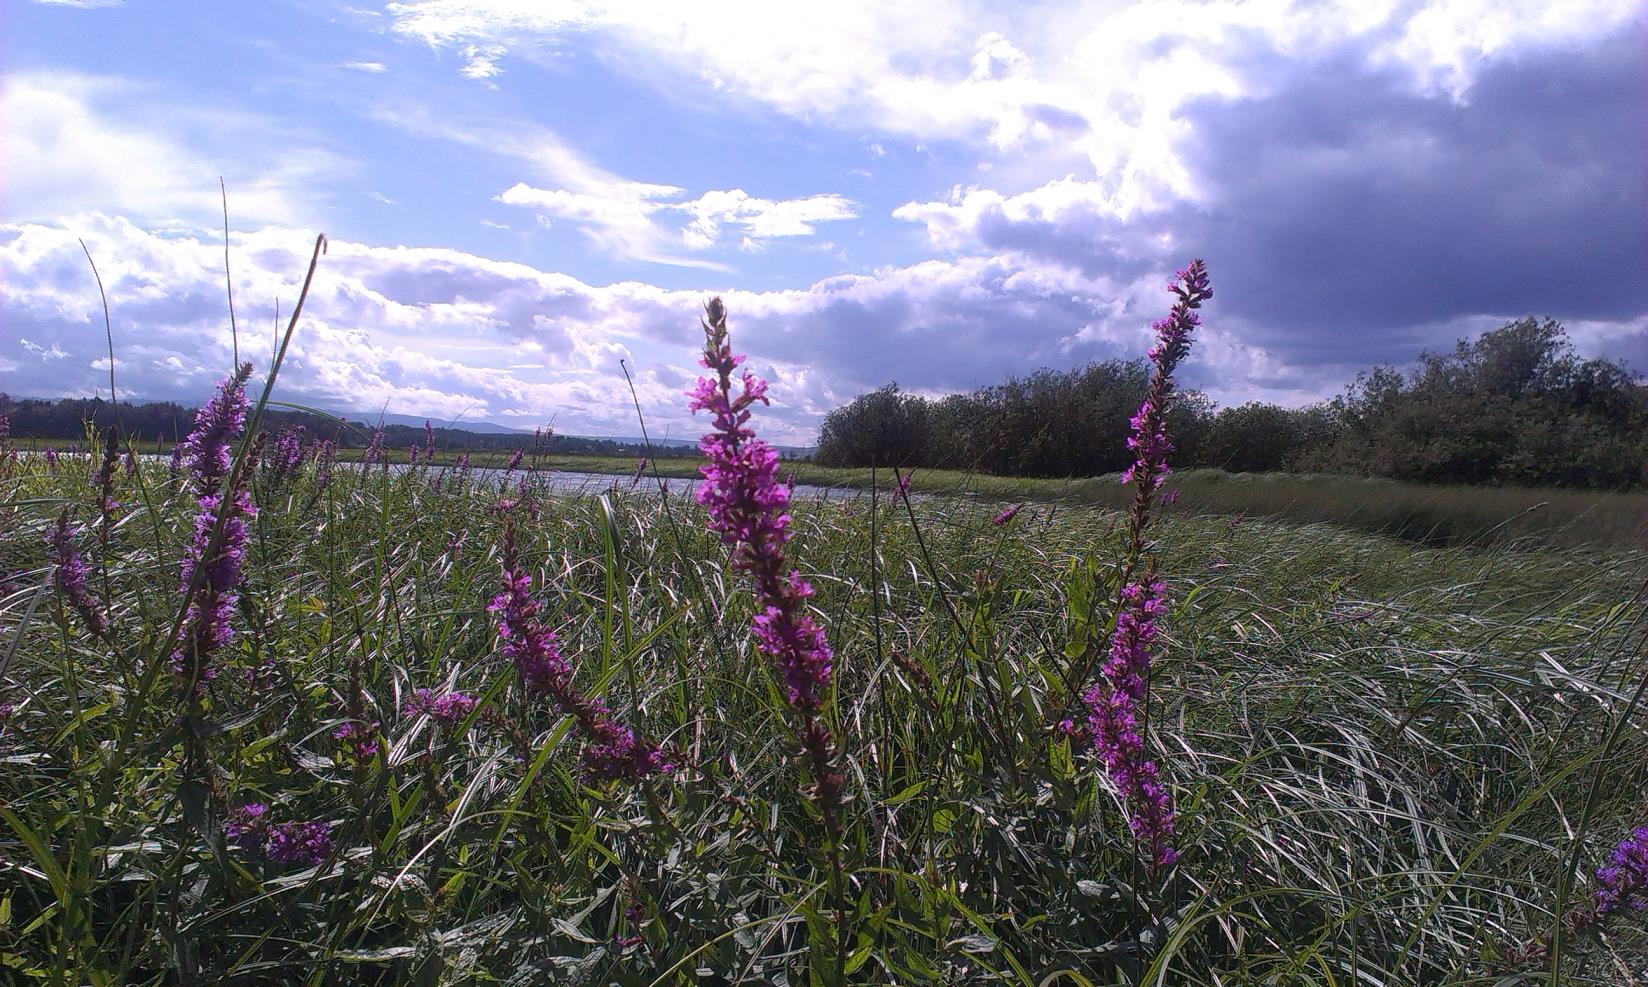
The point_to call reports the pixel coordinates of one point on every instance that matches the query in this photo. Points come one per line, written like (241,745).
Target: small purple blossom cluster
(326,457)
(614,752)
(514,460)
(747,507)
(71,574)
(428,441)
(306,843)
(374,449)
(287,454)
(361,739)
(1007,515)
(1623,881)
(207,458)
(1149,440)
(446,707)
(1115,705)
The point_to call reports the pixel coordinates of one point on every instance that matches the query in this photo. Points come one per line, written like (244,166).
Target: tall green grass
(1393,763)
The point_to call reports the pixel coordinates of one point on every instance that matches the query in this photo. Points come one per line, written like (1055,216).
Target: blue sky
(520,194)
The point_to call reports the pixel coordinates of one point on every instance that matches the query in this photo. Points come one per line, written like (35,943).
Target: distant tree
(885,427)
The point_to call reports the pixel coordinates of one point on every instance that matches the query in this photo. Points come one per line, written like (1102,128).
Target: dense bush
(1514,406)
(1050,423)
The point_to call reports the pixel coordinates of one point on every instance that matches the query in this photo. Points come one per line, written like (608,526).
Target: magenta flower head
(206,453)
(613,751)
(428,441)
(449,707)
(288,452)
(1117,702)
(215,560)
(1623,881)
(1007,515)
(374,449)
(306,843)
(903,485)
(747,508)
(70,576)
(514,460)
(361,739)
(51,459)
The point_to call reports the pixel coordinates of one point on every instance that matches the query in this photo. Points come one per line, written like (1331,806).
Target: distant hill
(461,424)
(165,421)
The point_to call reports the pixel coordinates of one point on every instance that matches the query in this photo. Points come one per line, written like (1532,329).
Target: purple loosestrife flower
(247,826)
(902,487)
(747,509)
(1007,515)
(175,467)
(428,441)
(287,455)
(51,459)
(128,463)
(614,752)
(1623,881)
(449,707)
(1117,703)
(206,626)
(514,460)
(306,843)
(71,575)
(361,738)
(206,452)
(374,449)
(412,452)
(326,456)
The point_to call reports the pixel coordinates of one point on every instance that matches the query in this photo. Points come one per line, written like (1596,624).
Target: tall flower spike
(747,507)
(71,576)
(1117,703)
(206,453)
(614,752)
(206,626)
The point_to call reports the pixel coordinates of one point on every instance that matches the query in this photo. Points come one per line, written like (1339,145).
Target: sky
(520,194)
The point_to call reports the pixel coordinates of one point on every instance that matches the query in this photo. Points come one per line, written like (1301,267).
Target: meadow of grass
(1393,764)
(1429,513)
(1435,514)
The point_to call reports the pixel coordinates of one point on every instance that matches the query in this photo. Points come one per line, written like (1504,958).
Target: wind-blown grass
(1392,764)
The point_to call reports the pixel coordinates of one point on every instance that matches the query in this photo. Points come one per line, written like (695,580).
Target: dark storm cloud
(1350,213)
(1350,218)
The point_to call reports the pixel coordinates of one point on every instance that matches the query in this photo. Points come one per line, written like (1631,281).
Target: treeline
(1514,406)
(161,423)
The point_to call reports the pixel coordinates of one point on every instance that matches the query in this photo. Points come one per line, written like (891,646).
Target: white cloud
(437,331)
(72,145)
(760,219)
(623,217)
(1101,81)
(371,68)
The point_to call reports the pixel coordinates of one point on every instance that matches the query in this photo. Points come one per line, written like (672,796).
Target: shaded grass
(1382,754)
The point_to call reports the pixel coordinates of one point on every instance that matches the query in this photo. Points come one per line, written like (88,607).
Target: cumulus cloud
(76,142)
(1354,214)
(440,332)
(623,217)
(1104,81)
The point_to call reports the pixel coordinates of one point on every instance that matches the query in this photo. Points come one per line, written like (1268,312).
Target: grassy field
(1431,514)
(1393,764)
